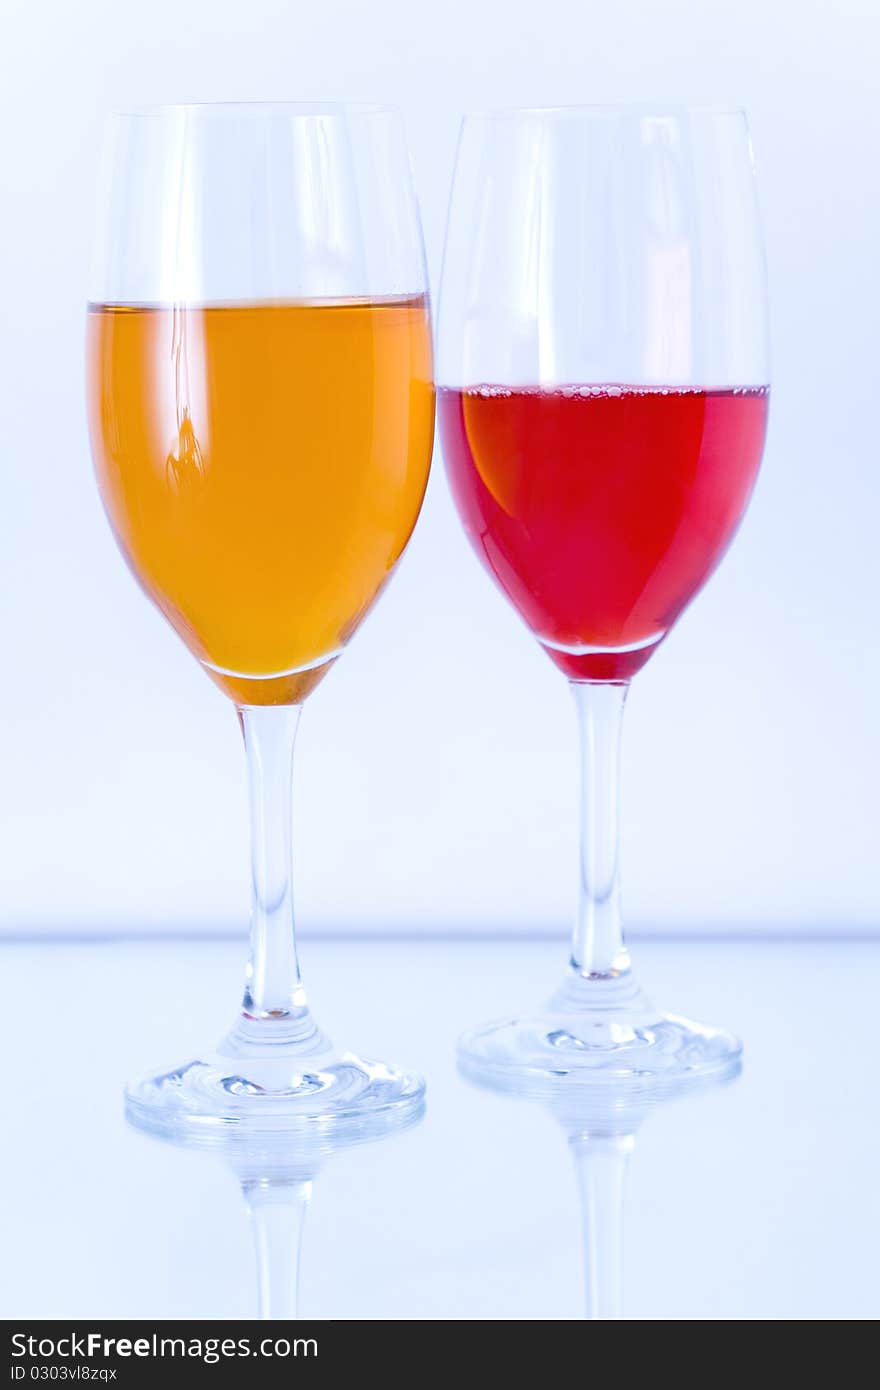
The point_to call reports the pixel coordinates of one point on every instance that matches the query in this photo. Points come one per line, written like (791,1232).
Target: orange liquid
(262,466)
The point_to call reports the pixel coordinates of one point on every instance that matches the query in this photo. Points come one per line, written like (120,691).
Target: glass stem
(598,952)
(274,1008)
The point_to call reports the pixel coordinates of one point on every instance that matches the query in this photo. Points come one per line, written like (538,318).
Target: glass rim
(296,109)
(619,108)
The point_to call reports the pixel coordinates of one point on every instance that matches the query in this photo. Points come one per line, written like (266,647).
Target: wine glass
(261,409)
(602,397)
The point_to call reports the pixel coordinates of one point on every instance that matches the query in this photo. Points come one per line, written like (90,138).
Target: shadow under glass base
(597,1030)
(269,1089)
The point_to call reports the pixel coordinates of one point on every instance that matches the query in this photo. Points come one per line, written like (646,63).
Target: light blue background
(436,781)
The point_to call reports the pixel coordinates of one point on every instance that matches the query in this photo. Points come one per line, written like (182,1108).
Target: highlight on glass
(261,408)
(602,398)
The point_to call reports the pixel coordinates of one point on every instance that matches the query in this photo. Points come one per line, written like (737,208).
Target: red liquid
(601,511)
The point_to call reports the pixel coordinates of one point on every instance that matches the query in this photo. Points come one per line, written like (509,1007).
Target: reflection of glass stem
(277,1212)
(275,1171)
(600,1164)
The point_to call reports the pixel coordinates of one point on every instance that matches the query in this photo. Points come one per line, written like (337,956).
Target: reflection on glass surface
(601,1121)
(276,1173)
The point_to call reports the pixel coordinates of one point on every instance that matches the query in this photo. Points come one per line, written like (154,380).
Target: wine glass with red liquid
(603,362)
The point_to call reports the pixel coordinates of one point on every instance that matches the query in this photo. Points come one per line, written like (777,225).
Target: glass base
(598,1031)
(292,1091)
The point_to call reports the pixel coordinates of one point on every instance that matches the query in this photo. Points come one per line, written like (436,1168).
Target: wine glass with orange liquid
(261,408)
(603,371)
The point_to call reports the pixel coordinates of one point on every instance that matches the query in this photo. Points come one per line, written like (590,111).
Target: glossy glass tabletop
(758,1199)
